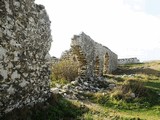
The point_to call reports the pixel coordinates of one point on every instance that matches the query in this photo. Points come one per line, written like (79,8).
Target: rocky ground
(77,89)
(80,86)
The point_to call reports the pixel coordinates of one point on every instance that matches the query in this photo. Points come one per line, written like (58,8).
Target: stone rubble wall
(25,39)
(95,59)
(128,61)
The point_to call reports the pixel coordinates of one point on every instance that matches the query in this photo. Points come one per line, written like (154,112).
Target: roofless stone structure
(25,39)
(94,58)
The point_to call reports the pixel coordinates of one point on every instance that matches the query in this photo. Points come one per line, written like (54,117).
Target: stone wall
(25,40)
(128,61)
(94,59)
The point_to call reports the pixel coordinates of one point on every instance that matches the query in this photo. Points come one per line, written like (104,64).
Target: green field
(142,80)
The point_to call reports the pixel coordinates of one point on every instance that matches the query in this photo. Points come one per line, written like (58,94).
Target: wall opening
(81,60)
(106,64)
(96,66)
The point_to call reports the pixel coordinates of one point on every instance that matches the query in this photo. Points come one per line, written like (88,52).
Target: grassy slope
(149,74)
(103,106)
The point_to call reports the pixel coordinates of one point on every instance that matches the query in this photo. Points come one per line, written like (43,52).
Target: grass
(59,82)
(117,104)
(121,109)
(61,109)
(144,107)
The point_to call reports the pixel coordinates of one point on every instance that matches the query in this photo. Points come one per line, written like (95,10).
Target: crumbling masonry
(94,59)
(25,40)
(128,61)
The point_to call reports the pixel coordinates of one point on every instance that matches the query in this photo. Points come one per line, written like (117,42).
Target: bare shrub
(65,69)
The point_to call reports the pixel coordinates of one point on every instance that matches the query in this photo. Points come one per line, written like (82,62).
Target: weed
(63,72)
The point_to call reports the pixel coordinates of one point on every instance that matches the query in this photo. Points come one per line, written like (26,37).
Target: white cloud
(137,5)
(114,23)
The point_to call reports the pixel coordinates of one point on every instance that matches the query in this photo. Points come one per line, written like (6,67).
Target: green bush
(64,71)
(124,91)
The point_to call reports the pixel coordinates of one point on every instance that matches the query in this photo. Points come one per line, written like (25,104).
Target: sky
(130,28)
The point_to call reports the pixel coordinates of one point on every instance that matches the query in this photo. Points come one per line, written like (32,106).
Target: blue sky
(130,28)
(152,7)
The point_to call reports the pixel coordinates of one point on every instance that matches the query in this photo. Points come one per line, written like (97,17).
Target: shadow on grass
(136,104)
(153,85)
(56,108)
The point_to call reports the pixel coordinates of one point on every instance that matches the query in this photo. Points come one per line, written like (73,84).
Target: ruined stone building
(25,40)
(128,61)
(94,59)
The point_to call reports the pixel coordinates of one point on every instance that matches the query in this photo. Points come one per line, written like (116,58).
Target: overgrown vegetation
(63,72)
(135,97)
